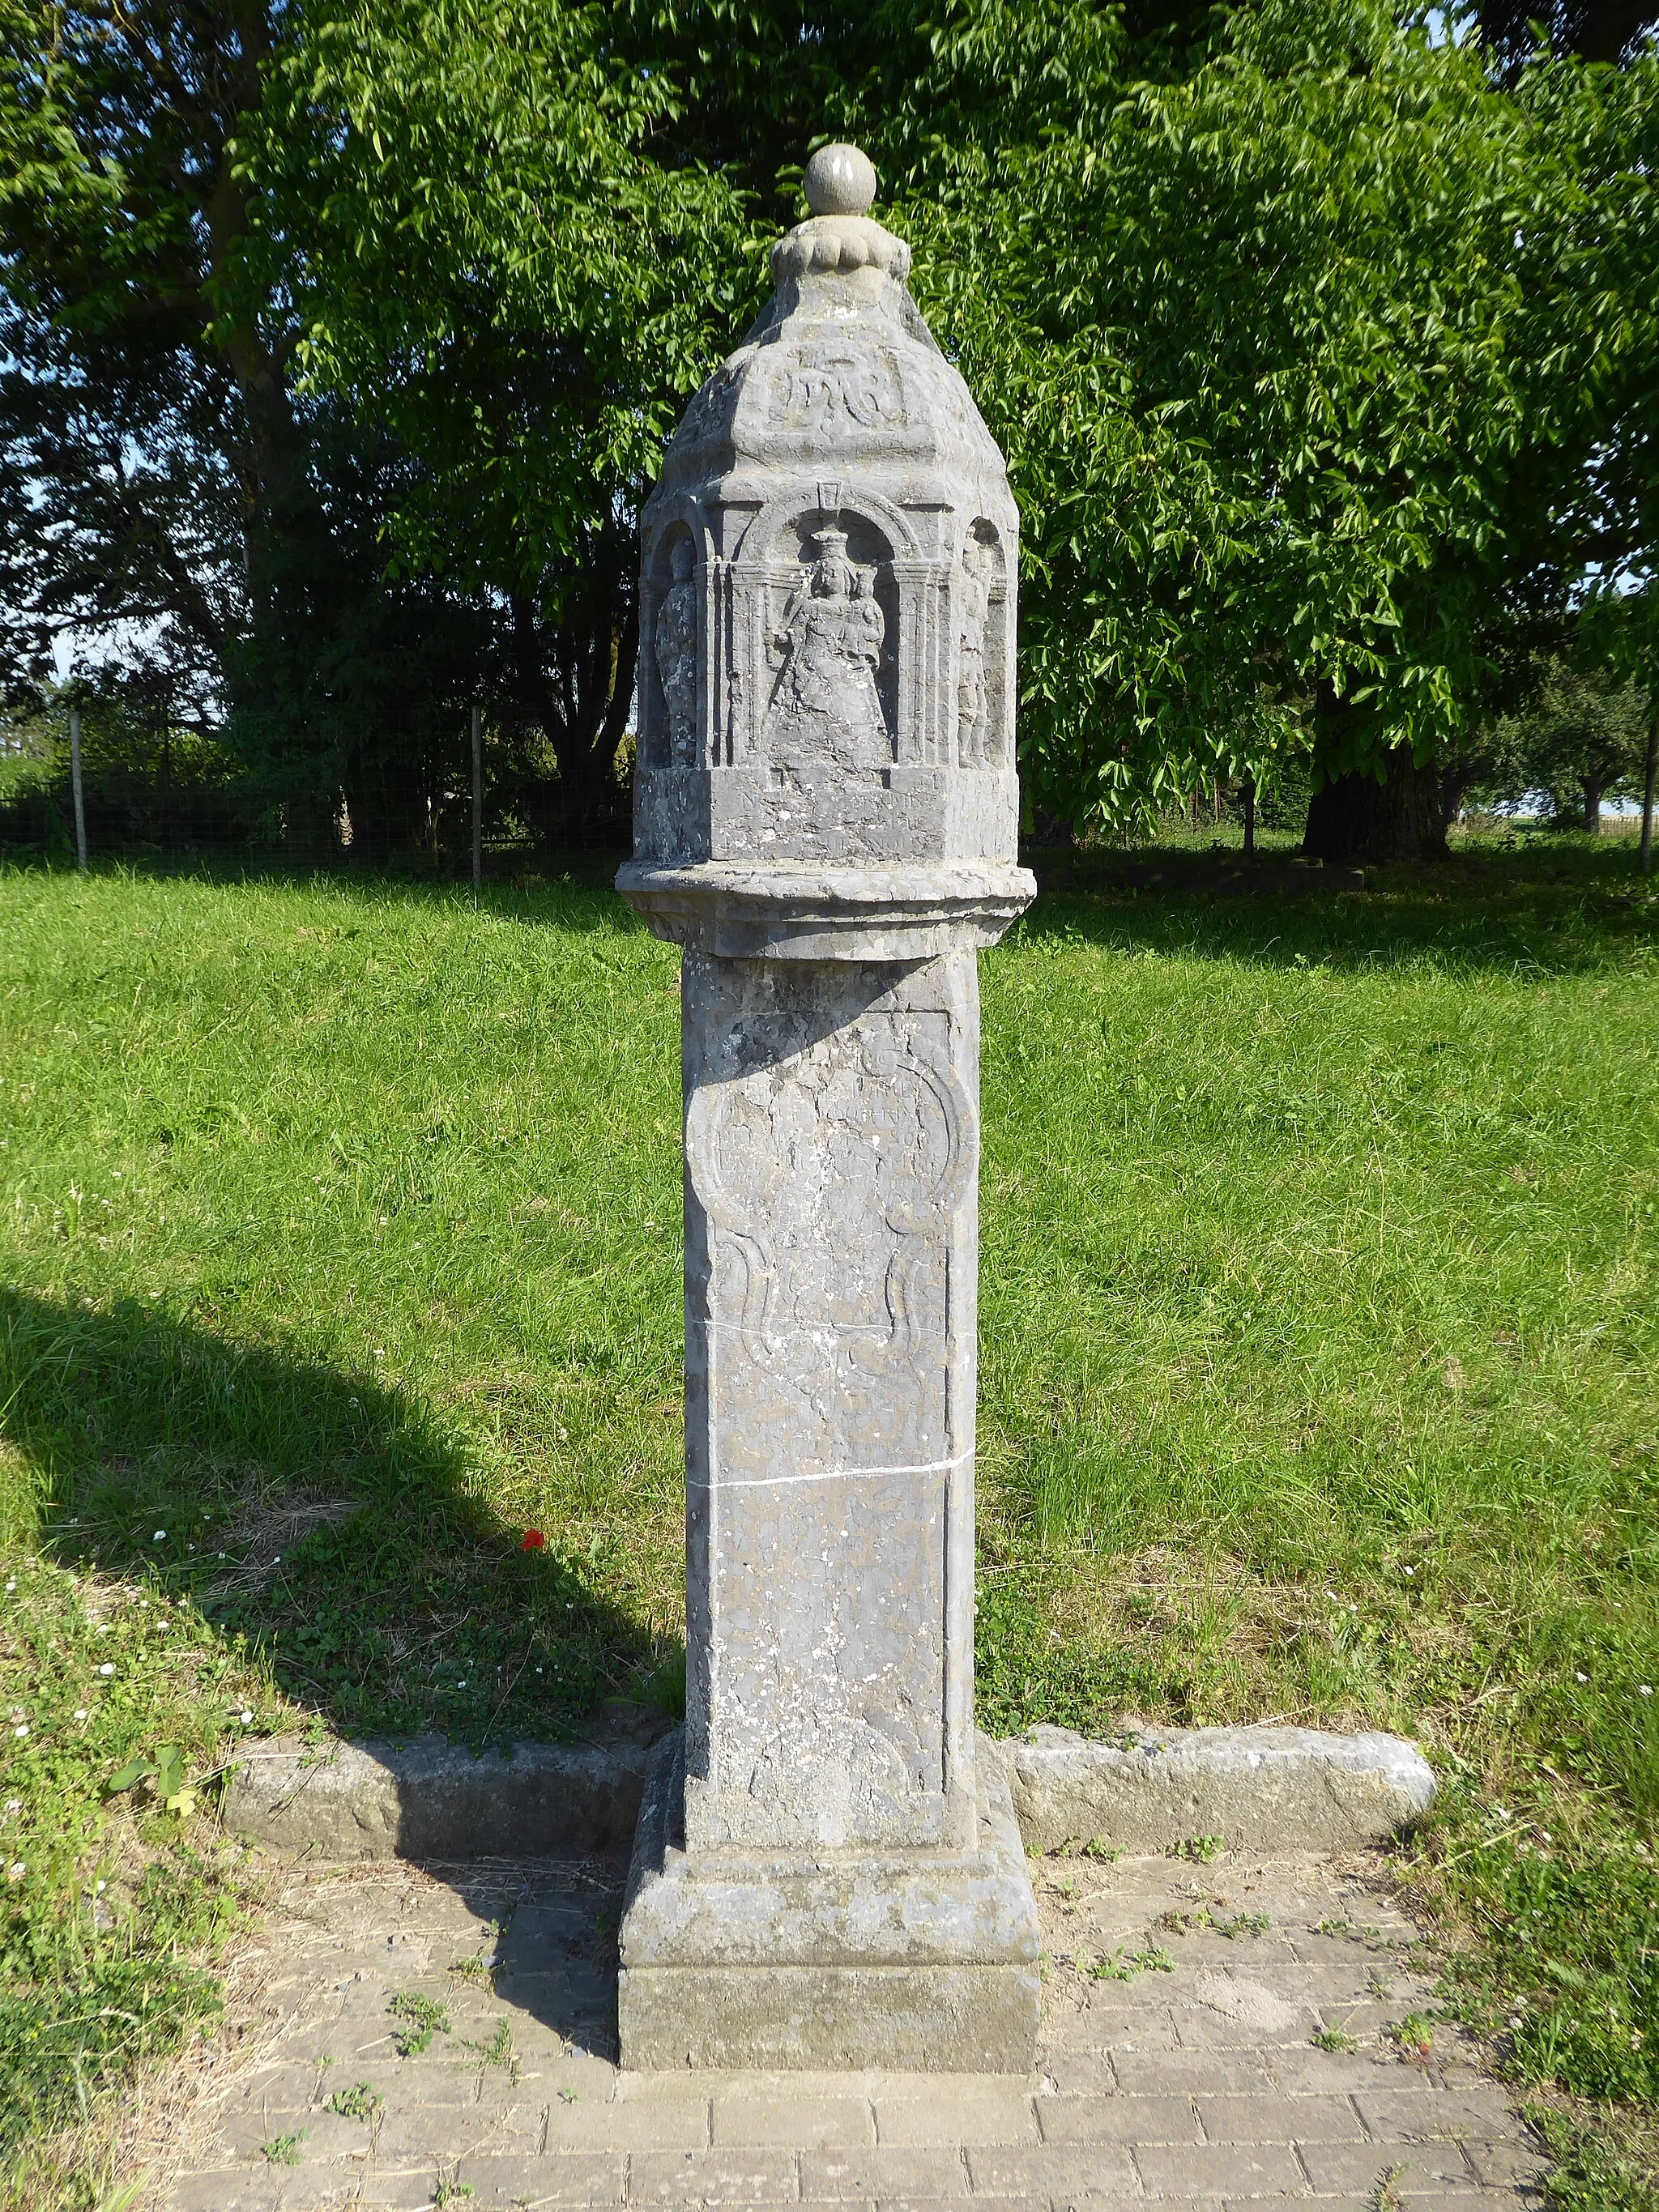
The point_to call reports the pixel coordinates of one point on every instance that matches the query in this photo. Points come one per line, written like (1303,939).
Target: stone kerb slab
(429,1799)
(1269,1789)
(1273,1791)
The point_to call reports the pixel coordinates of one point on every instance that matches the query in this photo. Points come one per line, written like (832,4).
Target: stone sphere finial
(840,180)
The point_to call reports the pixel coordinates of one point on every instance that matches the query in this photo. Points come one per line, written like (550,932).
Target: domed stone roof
(841,367)
(829,573)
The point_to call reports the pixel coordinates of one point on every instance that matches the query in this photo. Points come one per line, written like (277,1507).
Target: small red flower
(533,1540)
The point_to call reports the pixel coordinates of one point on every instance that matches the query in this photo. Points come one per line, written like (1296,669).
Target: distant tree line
(339,339)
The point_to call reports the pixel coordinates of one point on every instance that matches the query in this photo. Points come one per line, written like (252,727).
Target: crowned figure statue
(825,706)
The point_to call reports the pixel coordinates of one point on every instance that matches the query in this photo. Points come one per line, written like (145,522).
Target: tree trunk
(1356,817)
(1593,804)
(1250,817)
(1453,785)
(594,801)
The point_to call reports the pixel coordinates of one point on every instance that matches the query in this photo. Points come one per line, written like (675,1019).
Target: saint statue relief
(676,656)
(825,706)
(975,604)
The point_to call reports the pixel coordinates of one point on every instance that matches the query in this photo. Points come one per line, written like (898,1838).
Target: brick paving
(1195,2081)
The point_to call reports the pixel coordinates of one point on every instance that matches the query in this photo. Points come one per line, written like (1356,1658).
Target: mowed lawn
(1319,1322)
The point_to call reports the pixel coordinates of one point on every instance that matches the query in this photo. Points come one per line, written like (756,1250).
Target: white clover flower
(81,1713)
(1644,1689)
(108,1667)
(246,1719)
(22,1729)
(18,1868)
(1578,1677)
(158,1537)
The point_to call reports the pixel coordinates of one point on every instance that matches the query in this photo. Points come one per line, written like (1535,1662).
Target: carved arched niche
(672,719)
(829,646)
(984,651)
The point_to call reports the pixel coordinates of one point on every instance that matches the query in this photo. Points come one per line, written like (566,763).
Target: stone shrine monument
(827,1871)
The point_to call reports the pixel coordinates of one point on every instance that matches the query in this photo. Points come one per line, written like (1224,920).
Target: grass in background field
(1318,1322)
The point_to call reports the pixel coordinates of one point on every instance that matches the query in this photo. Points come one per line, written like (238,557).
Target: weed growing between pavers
(1318,1326)
(361,2102)
(423,2017)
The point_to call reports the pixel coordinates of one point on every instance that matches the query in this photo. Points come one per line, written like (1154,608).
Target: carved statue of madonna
(825,705)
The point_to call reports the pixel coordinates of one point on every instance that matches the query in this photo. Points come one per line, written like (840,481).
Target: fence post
(478,806)
(75,787)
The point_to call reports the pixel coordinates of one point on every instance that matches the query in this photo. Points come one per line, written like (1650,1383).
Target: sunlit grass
(1318,1321)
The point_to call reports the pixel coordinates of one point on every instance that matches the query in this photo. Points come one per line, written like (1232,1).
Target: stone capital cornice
(817,913)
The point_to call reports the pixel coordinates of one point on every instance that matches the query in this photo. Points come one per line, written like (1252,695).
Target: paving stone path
(1196,2082)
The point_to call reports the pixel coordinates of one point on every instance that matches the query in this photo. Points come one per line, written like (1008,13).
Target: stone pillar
(827,1871)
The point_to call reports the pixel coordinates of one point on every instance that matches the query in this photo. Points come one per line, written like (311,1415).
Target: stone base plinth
(924,1960)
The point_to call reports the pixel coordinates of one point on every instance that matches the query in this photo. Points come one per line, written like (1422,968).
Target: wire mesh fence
(155,812)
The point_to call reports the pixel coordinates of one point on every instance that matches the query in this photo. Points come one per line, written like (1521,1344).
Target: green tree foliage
(1582,738)
(1295,328)
(1319,350)
(1300,356)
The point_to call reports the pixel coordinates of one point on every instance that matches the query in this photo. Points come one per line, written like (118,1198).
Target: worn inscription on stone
(833,386)
(830,1164)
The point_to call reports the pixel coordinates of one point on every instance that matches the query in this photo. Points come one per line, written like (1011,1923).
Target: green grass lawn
(341,1236)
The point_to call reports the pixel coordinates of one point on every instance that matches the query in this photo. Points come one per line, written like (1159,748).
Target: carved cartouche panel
(835,385)
(829,1168)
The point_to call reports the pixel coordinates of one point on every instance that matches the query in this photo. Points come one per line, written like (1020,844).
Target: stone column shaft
(832,1154)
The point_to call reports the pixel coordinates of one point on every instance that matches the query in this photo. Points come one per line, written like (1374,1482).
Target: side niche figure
(971,709)
(825,706)
(676,656)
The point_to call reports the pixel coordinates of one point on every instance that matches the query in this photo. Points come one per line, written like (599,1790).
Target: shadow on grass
(1540,909)
(320,1515)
